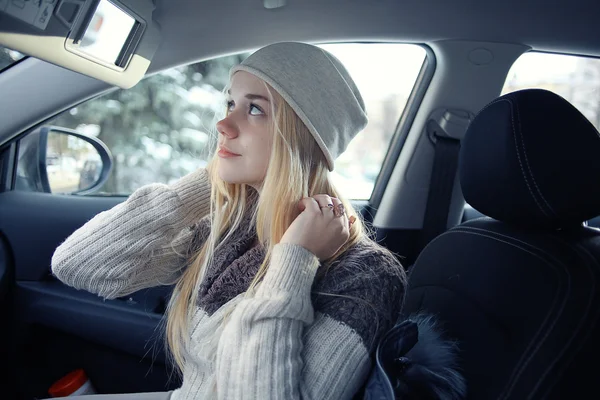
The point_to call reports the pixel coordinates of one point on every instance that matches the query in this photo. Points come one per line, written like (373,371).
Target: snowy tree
(158,130)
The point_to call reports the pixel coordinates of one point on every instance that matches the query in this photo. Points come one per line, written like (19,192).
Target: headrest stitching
(487,106)
(512,118)
(516,104)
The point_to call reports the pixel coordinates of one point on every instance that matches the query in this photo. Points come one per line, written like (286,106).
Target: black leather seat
(520,291)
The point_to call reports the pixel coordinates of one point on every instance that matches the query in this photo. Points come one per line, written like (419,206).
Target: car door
(154,132)
(56,329)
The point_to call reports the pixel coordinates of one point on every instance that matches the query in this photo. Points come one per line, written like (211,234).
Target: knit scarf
(233,266)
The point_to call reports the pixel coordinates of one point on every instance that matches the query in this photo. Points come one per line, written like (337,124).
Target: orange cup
(75,383)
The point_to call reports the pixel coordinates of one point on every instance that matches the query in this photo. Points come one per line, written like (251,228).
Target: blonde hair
(297,168)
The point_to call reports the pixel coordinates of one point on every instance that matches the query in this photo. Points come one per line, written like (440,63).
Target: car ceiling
(194,29)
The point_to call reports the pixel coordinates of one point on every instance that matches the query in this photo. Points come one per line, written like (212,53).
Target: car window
(158,130)
(577,79)
(8,57)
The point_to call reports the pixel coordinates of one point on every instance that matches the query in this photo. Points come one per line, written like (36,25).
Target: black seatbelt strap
(441,184)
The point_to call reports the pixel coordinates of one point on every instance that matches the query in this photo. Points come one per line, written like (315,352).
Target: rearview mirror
(62,161)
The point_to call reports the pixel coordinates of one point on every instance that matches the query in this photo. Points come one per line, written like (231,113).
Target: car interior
(485,186)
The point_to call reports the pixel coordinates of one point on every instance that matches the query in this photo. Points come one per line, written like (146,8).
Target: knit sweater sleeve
(276,345)
(137,244)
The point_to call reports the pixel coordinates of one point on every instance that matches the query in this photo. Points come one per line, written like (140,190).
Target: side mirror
(60,160)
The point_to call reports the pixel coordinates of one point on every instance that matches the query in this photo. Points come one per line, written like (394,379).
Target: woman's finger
(351,220)
(340,223)
(325,203)
(308,203)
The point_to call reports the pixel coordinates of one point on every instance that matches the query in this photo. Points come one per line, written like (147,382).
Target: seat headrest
(531,158)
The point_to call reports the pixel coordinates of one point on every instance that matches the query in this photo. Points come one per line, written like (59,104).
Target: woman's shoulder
(364,289)
(366,270)
(369,260)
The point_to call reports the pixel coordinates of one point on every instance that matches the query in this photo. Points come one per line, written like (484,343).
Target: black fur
(431,366)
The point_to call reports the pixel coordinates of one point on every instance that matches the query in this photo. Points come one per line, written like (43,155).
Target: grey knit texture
(309,331)
(363,289)
(139,243)
(319,89)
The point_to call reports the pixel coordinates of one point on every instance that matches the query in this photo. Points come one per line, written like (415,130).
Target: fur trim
(431,366)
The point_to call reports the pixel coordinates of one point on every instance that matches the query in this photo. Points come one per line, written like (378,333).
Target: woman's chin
(228,177)
(235,178)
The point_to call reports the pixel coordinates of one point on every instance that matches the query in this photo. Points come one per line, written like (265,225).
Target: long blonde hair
(297,168)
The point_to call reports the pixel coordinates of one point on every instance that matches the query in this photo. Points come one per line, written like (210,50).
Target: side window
(577,79)
(157,131)
(385,74)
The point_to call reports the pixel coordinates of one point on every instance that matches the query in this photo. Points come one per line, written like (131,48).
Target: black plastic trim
(119,324)
(8,171)
(36,223)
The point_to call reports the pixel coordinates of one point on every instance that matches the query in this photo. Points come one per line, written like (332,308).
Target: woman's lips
(224,153)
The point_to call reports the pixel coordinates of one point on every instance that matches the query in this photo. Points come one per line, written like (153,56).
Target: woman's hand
(322,226)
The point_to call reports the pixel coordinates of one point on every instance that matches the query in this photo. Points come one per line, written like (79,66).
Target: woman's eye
(230,105)
(254,110)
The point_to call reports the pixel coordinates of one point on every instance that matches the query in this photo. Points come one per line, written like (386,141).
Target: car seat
(520,290)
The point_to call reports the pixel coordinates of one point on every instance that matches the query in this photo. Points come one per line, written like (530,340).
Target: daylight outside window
(160,129)
(385,75)
(576,79)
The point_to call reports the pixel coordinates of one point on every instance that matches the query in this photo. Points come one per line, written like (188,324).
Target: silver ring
(339,210)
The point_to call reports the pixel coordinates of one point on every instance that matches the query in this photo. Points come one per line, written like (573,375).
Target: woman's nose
(227,127)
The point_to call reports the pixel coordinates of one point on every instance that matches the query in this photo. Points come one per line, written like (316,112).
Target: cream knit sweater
(305,334)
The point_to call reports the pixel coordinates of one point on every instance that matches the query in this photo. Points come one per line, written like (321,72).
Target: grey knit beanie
(317,86)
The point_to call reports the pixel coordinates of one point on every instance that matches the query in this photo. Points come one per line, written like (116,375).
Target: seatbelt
(441,184)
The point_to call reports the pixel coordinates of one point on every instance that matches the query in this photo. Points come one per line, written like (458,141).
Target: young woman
(280,293)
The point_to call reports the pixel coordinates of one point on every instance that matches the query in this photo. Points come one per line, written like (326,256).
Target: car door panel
(123,333)
(6,291)
(125,325)
(36,223)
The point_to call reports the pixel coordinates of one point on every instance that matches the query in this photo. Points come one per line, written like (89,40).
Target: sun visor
(111,40)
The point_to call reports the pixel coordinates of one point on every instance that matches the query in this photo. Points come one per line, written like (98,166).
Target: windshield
(8,57)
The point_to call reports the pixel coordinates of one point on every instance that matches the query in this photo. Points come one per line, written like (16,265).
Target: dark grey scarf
(235,263)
